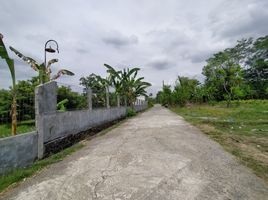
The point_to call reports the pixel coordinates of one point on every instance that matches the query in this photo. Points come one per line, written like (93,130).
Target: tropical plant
(127,84)
(44,71)
(98,85)
(10,62)
(224,74)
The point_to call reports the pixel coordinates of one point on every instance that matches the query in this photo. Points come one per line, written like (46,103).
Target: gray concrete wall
(17,151)
(139,108)
(22,150)
(62,124)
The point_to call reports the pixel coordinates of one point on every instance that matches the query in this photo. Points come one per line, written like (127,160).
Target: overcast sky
(165,38)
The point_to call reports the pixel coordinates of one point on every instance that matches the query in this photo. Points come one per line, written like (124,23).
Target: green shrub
(131,112)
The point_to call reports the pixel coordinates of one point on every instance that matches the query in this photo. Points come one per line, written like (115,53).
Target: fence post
(45,103)
(107,97)
(125,101)
(118,100)
(89,99)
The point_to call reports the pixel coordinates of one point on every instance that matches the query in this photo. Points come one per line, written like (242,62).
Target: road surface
(154,156)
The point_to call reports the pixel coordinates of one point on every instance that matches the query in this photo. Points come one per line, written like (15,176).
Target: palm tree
(44,71)
(10,63)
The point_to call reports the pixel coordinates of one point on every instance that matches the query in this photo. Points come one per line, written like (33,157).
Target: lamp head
(50,50)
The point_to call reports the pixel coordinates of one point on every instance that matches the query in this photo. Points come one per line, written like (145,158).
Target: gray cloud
(119,40)
(161,64)
(164,38)
(233,19)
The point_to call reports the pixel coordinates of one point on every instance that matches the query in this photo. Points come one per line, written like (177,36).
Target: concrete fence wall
(22,150)
(62,124)
(17,151)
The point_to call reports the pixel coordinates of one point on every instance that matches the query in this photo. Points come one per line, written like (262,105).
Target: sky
(165,38)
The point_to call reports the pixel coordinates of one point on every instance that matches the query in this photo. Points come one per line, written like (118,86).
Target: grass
(23,127)
(20,174)
(242,129)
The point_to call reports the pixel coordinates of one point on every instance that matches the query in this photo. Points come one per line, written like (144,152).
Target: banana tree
(127,84)
(44,71)
(10,62)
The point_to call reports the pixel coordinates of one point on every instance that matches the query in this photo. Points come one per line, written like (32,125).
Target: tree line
(125,84)
(236,73)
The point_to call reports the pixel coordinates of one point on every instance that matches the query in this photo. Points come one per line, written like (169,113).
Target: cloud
(119,40)
(163,39)
(232,19)
(161,64)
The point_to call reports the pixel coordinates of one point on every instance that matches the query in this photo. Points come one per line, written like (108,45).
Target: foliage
(98,86)
(70,100)
(126,83)
(44,71)
(22,127)
(256,72)
(236,73)
(165,96)
(184,90)
(10,63)
(131,112)
(61,105)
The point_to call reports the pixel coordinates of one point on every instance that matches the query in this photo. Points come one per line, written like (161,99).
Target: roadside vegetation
(231,106)
(22,127)
(242,130)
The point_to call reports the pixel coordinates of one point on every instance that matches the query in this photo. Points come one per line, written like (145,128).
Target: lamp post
(50,49)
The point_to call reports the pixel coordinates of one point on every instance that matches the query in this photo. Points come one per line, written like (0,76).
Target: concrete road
(156,156)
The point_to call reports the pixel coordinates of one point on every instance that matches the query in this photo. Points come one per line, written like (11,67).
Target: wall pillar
(107,97)
(118,101)
(45,103)
(89,99)
(125,101)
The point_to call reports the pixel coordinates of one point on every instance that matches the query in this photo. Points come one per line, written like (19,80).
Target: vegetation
(44,71)
(25,107)
(70,100)
(237,77)
(22,127)
(236,73)
(20,174)
(131,112)
(10,63)
(126,83)
(242,130)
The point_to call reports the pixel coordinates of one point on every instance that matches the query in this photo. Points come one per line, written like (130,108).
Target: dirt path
(156,156)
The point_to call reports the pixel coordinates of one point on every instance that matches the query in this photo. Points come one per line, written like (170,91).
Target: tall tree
(184,90)
(223,75)
(256,71)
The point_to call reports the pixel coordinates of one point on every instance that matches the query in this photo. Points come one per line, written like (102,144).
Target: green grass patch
(20,174)
(22,127)
(241,129)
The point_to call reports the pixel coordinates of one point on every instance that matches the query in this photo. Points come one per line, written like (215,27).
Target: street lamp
(50,49)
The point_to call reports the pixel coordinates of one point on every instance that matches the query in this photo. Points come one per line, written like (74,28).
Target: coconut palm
(44,71)
(10,63)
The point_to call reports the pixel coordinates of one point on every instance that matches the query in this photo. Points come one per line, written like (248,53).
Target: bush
(131,112)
